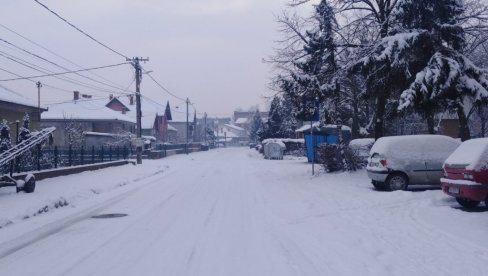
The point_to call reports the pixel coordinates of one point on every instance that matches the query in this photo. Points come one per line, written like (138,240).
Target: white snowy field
(230,212)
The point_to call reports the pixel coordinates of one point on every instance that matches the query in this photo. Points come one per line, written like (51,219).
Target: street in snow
(231,212)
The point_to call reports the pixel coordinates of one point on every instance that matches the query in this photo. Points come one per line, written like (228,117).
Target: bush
(336,158)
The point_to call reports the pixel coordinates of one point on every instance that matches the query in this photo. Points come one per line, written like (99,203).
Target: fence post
(110,153)
(56,156)
(38,157)
(101,154)
(82,155)
(93,155)
(70,161)
(117,152)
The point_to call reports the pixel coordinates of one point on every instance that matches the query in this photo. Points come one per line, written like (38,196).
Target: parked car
(399,161)
(361,148)
(466,173)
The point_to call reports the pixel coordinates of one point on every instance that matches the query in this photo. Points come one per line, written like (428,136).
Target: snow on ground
(230,212)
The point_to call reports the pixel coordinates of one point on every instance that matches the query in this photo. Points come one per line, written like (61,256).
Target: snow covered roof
(234,127)
(12,97)
(172,128)
(178,114)
(241,120)
(318,127)
(84,110)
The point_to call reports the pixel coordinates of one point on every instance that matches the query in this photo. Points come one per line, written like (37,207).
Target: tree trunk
(464,132)
(379,124)
(431,124)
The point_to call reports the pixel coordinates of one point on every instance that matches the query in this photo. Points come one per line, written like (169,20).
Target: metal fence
(49,157)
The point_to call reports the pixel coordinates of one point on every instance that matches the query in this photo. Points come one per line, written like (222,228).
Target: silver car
(399,161)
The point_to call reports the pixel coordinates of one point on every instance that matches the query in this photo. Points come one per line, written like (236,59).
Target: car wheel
(467,203)
(397,181)
(380,186)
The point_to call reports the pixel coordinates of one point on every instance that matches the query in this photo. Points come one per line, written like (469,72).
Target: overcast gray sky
(208,50)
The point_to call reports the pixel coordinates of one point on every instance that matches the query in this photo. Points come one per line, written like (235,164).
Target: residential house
(87,121)
(232,135)
(14,106)
(154,122)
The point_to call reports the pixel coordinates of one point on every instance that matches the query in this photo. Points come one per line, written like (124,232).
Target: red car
(466,173)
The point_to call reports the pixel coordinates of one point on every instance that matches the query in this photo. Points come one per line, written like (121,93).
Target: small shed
(327,134)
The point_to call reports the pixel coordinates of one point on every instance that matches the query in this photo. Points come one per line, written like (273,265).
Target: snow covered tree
(256,126)
(314,78)
(24,132)
(289,122)
(275,119)
(5,142)
(447,79)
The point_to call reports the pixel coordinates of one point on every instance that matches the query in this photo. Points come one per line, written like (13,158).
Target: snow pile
(472,154)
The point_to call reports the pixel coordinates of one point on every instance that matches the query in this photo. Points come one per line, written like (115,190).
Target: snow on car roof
(472,153)
(385,143)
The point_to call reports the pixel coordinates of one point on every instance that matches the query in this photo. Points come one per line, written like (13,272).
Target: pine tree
(289,122)
(24,132)
(447,79)
(256,126)
(315,78)
(275,120)
(5,142)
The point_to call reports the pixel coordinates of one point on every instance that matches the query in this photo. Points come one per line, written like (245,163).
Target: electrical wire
(53,53)
(47,71)
(81,31)
(161,86)
(63,73)
(55,64)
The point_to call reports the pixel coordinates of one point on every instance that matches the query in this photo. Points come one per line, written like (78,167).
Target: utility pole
(187,124)
(39,85)
(138,71)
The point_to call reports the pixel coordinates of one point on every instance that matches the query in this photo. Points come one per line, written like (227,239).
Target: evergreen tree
(256,126)
(24,132)
(275,119)
(5,141)
(289,122)
(447,79)
(315,78)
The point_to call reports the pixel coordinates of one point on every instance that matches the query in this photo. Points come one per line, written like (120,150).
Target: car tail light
(383,162)
(468,176)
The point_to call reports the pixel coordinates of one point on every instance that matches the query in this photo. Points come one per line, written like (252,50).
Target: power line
(47,71)
(162,87)
(63,73)
(57,65)
(53,53)
(81,31)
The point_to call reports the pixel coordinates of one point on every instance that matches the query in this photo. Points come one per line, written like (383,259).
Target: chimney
(131,99)
(76,95)
(111,97)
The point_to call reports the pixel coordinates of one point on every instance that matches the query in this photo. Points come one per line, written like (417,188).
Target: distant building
(244,119)
(232,135)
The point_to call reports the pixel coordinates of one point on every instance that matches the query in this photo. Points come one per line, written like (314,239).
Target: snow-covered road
(230,212)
